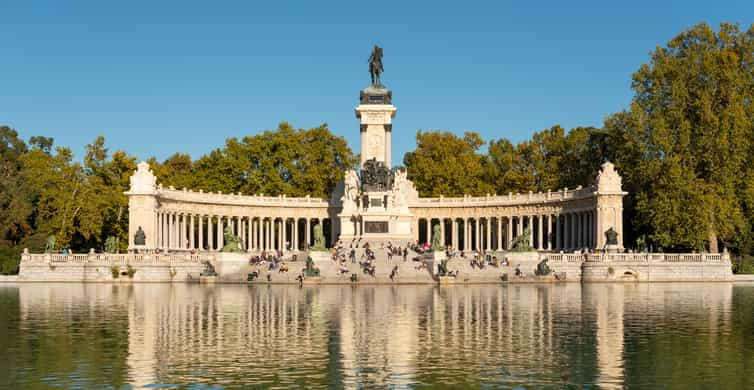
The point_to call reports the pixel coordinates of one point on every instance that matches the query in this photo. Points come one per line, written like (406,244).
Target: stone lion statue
(319,239)
(436,243)
(232,242)
(521,243)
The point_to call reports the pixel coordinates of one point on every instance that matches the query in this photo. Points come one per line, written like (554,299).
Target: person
(394,273)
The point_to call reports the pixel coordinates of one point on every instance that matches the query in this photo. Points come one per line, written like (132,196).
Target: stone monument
(375,203)
(609,199)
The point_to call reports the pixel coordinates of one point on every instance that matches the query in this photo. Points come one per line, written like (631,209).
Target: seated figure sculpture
(232,242)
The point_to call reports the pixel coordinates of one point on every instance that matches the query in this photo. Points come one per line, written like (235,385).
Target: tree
(448,165)
(693,105)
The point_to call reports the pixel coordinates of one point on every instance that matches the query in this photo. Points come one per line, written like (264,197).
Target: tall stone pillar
(142,207)
(442,231)
(488,244)
(509,232)
(191,232)
(200,225)
(539,232)
(609,205)
(477,235)
(376,113)
(499,233)
(220,232)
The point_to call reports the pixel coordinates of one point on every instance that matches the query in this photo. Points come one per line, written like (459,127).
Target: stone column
(488,235)
(499,233)
(284,240)
(442,231)
(509,232)
(247,227)
(201,231)
(477,236)
(168,230)
(539,232)
(191,232)
(220,232)
(160,229)
(254,232)
(184,232)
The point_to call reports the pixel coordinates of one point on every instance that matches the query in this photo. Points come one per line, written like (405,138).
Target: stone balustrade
(113,258)
(658,257)
(510,199)
(202,197)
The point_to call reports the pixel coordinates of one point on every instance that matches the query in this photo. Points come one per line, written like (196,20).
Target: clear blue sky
(156,77)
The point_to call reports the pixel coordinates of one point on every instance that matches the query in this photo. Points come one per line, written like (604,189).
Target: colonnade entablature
(563,220)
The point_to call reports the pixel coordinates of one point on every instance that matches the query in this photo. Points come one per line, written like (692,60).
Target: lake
(682,336)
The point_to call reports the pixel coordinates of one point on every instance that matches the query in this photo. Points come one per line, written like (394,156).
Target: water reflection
(614,336)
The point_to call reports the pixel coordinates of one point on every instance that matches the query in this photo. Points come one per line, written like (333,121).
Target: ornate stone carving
(143,180)
(608,179)
(350,191)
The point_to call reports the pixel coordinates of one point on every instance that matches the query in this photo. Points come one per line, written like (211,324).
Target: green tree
(448,165)
(693,105)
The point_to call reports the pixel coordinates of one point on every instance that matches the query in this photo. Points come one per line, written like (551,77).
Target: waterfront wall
(104,267)
(234,268)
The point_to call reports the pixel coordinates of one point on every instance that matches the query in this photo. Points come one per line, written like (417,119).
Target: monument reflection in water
(95,335)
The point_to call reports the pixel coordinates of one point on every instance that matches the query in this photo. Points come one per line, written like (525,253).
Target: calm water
(684,336)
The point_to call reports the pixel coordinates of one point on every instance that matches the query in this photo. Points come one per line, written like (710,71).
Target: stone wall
(235,268)
(102,267)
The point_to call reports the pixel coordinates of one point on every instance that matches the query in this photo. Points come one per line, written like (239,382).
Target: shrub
(743,265)
(131,271)
(115,271)
(10,258)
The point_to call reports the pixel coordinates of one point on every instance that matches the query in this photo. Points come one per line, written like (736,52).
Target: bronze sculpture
(375,65)
(611,237)
(139,237)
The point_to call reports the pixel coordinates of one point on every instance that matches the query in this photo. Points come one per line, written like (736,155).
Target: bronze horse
(375,65)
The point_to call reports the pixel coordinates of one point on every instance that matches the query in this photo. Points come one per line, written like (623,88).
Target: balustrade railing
(509,199)
(113,258)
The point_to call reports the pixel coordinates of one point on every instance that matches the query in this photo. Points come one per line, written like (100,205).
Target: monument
(374,203)
(375,199)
